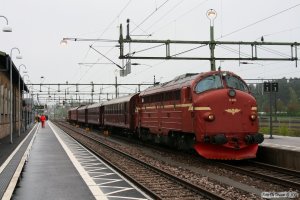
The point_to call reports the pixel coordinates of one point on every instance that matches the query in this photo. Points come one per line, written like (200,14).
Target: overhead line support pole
(212,49)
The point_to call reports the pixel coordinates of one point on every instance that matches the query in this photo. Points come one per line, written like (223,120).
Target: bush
(283,130)
(264,130)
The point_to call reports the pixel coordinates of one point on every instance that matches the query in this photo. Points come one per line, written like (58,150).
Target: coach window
(152,98)
(159,97)
(209,83)
(167,96)
(125,107)
(177,95)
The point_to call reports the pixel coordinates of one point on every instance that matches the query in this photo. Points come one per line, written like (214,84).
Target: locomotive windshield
(209,83)
(235,83)
(215,82)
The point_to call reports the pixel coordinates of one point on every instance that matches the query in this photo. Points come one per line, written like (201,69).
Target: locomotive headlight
(209,116)
(253,116)
(231,93)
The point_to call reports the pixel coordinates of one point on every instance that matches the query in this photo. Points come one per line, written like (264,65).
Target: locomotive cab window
(236,83)
(209,83)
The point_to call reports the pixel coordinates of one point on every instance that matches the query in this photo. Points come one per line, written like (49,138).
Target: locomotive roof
(180,81)
(94,105)
(120,99)
(75,108)
(82,107)
(177,83)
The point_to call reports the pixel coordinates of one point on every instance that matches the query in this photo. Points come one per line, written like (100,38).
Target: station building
(16,97)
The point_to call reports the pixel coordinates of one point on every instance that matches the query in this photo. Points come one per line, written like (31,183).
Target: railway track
(156,182)
(270,173)
(266,172)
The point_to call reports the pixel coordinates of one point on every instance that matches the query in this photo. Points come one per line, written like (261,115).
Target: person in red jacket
(43,119)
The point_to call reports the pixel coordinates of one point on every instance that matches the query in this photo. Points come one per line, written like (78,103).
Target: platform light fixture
(6,28)
(211,15)
(11,90)
(63,42)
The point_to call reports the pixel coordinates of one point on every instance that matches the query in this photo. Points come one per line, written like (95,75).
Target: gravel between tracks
(156,158)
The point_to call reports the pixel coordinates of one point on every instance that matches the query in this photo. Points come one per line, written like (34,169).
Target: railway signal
(271,87)
(267,87)
(274,87)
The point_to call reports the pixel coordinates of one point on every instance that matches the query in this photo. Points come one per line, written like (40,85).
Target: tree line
(285,102)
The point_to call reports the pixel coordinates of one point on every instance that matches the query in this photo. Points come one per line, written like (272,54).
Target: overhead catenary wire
(139,27)
(157,8)
(274,51)
(151,14)
(174,55)
(105,57)
(279,32)
(146,49)
(168,12)
(172,9)
(261,20)
(113,21)
(184,14)
(109,25)
(234,51)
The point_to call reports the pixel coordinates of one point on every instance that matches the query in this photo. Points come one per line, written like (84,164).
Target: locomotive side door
(187,111)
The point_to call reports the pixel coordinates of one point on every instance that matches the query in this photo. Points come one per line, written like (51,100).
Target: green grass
(281,130)
(286,126)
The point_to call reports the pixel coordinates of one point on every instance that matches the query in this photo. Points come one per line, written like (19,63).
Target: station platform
(55,166)
(282,142)
(282,151)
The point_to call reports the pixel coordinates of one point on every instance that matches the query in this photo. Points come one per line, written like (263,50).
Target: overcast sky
(39,26)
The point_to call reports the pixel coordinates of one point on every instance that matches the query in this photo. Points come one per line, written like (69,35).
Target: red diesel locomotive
(212,112)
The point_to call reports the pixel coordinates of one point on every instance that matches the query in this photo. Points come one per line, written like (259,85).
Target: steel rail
(269,173)
(201,191)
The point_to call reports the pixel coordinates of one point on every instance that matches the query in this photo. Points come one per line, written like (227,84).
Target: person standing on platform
(43,119)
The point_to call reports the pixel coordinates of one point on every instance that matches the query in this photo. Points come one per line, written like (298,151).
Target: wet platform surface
(12,154)
(58,167)
(282,142)
(49,173)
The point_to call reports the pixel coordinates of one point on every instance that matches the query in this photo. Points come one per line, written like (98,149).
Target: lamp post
(20,97)
(11,91)
(6,28)
(26,75)
(30,96)
(42,80)
(211,15)
(116,82)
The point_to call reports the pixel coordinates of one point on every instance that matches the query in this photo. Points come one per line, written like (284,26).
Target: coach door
(125,108)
